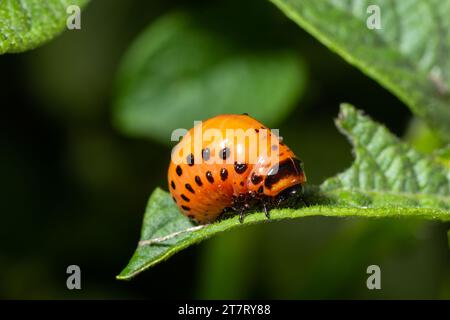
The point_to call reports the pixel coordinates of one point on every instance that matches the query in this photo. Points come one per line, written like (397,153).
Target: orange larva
(217,172)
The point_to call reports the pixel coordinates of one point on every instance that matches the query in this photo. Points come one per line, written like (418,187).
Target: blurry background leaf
(409,55)
(387,179)
(421,137)
(182,69)
(443,155)
(27,24)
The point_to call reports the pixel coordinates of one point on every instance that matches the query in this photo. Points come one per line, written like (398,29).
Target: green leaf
(163,218)
(26,24)
(388,179)
(386,171)
(178,71)
(409,55)
(443,156)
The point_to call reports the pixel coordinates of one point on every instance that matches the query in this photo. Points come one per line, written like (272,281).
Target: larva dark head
(289,198)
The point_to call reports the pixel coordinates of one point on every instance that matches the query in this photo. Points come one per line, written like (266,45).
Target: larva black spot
(189,188)
(186,208)
(172,184)
(256,179)
(179,171)
(261,189)
(209,177)
(241,183)
(245,114)
(206,154)
(198,181)
(190,160)
(225,153)
(191,216)
(257,130)
(223,174)
(185,198)
(240,167)
(174,199)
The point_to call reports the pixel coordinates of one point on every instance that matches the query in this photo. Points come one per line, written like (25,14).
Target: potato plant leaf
(26,24)
(409,54)
(387,179)
(386,171)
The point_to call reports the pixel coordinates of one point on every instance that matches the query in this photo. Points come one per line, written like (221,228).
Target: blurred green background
(75,186)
